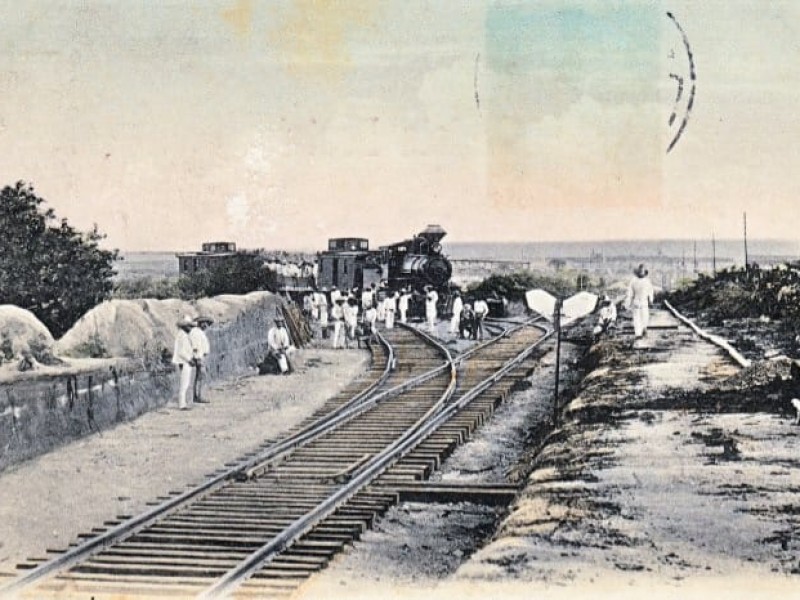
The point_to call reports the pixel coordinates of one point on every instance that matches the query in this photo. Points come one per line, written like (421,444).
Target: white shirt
(366,298)
(430,301)
(337,312)
(481,308)
(350,313)
(390,303)
(640,293)
(200,344)
(402,303)
(278,339)
(458,306)
(182,354)
(370,316)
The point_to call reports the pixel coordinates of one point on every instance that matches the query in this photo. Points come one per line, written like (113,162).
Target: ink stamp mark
(684,101)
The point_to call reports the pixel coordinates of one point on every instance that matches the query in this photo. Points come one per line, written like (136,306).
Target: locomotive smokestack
(433,233)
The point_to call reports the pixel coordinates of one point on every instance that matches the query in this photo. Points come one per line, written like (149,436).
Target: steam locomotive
(412,263)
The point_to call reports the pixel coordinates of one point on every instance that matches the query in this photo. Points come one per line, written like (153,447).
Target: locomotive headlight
(436,248)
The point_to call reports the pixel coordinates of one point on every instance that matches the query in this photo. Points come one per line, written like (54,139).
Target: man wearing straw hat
(183,358)
(638,300)
(200,349)
(279,345)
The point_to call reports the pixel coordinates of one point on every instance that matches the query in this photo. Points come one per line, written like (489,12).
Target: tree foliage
(240,274)
(46,265)
(514,285)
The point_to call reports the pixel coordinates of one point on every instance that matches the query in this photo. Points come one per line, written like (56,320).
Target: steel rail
(735,355)
(130,526)
(413,436)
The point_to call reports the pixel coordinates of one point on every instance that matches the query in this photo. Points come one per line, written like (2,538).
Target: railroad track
(265,524)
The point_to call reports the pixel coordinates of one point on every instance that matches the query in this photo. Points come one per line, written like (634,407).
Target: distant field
(146,264)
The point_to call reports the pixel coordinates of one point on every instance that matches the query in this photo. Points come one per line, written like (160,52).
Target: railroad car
(412,263)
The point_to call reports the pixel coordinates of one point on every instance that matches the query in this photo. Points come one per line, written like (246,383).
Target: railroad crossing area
(301,486)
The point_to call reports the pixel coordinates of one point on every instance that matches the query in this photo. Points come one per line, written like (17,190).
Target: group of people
(190,355)
(467,320)
(342,312)
(353,315)
(638,300)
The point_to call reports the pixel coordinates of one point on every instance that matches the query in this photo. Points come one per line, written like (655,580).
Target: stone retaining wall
(40,411)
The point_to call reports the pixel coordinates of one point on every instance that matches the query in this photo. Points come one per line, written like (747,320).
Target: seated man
(606,318)
(279,346)
(466,323)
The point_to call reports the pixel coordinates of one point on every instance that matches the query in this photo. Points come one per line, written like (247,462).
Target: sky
(281,123)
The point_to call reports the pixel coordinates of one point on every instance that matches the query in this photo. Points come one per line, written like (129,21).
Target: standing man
(368,298)
(389,308)
(458,306)
(337,315)
(638,300)
(182,357)
(431,298)
(481,310)
(350,311)
(402,304)
(369,320)
(279,345)
(200,350)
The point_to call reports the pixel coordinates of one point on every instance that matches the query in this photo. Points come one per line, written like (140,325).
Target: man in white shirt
(431,298)
(458,306)
(350,312)
(183,358)
(638,300)
(279,345)
(337,316)
(368,298)
(402,304)
(389,308)
(481,310)
(200,350)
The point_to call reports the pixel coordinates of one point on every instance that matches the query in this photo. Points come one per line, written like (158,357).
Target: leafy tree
(46,265)
(240,274)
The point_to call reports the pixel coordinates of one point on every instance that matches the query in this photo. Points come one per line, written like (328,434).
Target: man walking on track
(183,358)
(200,350)
(640,296)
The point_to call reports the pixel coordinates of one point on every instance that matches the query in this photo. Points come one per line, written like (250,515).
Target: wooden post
(746,260)
(713,254)
(557,324)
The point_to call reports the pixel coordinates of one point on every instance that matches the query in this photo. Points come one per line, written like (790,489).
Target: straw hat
(186,322)
(204,319)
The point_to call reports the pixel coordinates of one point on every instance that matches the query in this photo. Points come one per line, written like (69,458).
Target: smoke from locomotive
(413,263)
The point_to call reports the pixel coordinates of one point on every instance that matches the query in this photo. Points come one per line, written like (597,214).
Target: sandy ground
(46,502)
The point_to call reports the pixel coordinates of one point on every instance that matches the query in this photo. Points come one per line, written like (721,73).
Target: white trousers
(338,334)
(431,316)
(641,318)
(389,319)
(402,315)
(186,383)
(454,321)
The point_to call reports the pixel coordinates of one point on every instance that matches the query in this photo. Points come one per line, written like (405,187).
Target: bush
(47,266)
(514,286)
(242,274)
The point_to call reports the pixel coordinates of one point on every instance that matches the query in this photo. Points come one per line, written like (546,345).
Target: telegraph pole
(557,323)
(713,254)
(746,261)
